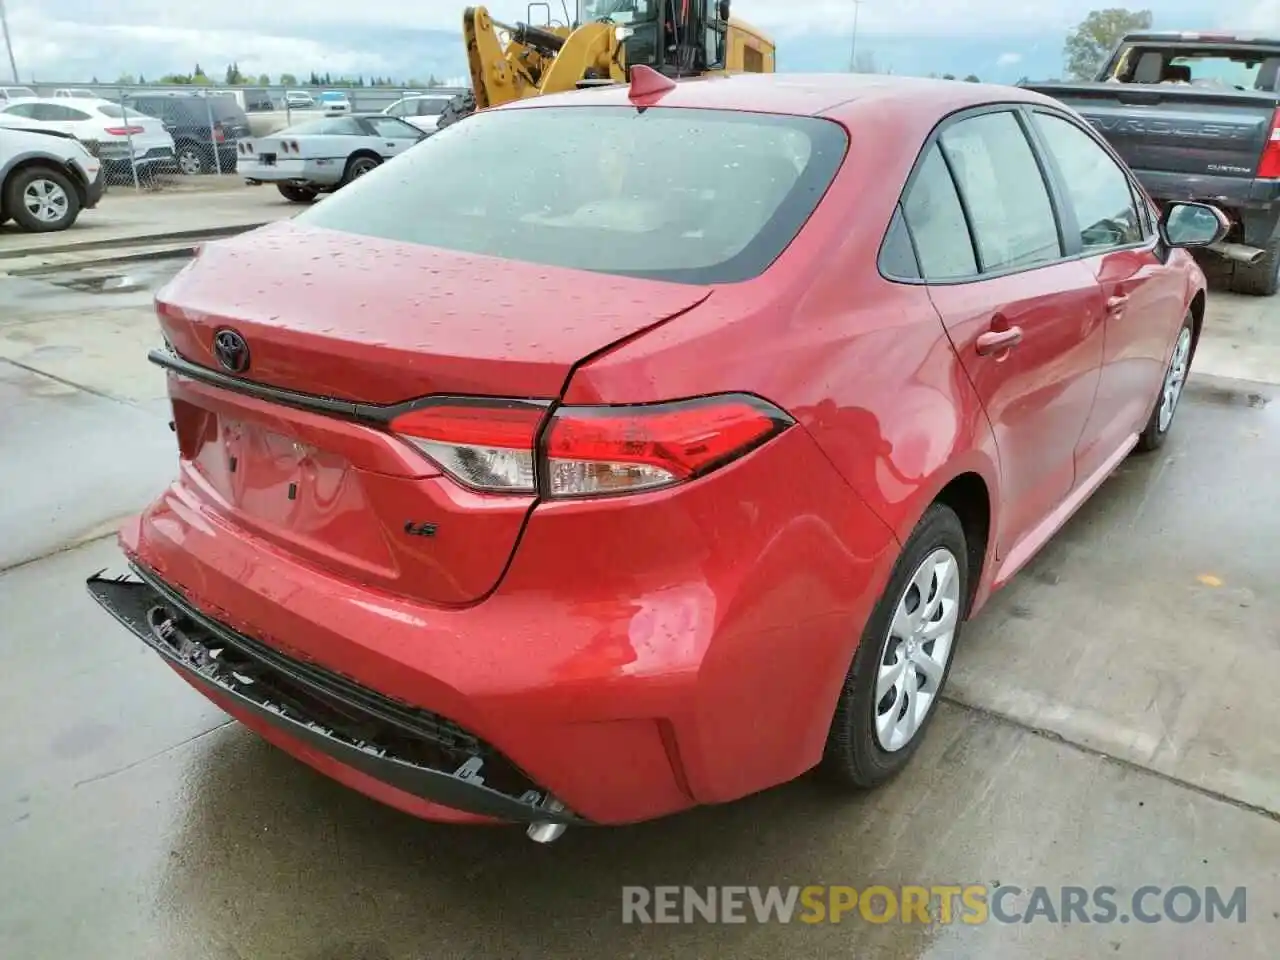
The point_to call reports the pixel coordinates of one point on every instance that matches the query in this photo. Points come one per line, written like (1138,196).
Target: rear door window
(937,223)
(1004,192)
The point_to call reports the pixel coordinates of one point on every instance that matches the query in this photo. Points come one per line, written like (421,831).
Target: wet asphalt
(1112,723)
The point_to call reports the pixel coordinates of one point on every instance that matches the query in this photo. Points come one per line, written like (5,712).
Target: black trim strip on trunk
(374,413)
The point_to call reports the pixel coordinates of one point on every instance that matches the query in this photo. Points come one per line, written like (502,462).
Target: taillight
(597,450)
(486,445)
(1269,166)
(498,446)
(125,131)
(219,136)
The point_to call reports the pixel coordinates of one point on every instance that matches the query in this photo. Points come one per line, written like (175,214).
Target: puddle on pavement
(1228,396)
(27,297)
(113,283)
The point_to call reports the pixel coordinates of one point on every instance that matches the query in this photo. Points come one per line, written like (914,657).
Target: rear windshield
(1216,67)
(696,196)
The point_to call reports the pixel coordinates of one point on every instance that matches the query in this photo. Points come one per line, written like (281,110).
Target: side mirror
(722,9)
(1193,225)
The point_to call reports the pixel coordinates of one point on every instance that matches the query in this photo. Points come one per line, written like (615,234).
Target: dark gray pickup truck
(1197,117)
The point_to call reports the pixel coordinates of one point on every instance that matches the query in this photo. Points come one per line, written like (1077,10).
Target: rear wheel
(1175,379)
(903,659)
(191,160)
(41,199)
(296,194)
(357,167)
(1261,279)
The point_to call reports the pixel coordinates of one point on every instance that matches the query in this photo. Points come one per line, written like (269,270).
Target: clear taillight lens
(487,445)
(601,450)
(588,451)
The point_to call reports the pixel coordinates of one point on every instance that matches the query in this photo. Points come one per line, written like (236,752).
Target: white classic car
(319,156)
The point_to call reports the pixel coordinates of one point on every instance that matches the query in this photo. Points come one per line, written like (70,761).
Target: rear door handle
(995,341)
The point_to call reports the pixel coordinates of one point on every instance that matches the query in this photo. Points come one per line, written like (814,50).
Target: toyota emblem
(231,350)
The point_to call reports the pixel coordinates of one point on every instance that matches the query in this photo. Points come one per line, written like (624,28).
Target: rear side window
(1099,190)
(431,106)
(936,220)
(687,195)
(1004,192)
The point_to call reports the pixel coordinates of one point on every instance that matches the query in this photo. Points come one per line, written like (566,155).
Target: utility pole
(8,43)
(853,45)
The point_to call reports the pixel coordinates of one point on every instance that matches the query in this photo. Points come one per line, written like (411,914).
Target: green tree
(948,76)
(288,80)
(1089,45)
(972,78)
(125,80)
(233,76)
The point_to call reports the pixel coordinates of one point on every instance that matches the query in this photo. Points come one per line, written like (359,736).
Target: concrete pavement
(1112,724)
(127,218)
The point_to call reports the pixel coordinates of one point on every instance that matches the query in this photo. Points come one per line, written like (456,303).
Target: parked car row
(121,139)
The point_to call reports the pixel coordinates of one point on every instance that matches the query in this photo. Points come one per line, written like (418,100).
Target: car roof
(838,95)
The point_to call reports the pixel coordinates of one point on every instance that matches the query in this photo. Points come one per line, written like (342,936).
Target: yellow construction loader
(679,38)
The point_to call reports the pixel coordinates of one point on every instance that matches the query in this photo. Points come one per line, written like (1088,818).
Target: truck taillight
(125,131)
(502,447)
(1269,166)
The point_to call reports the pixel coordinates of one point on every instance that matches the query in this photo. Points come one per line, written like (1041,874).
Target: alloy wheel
(915,654)
(1175,379)
(189,163)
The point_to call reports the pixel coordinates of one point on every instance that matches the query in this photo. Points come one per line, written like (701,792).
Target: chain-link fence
(158,140)
(176,139)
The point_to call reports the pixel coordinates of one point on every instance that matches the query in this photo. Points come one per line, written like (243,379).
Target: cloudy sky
(997,39)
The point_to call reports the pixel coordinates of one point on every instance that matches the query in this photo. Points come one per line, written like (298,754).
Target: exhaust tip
(544,832)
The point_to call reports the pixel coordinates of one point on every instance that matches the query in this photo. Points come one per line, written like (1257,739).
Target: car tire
(41,199)
(460,106)
(358,166)
(871,737)
(1261,279)
(1171,388)
(295,194)
(191,160)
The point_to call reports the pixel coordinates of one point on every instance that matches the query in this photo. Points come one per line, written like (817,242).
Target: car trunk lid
(341,332)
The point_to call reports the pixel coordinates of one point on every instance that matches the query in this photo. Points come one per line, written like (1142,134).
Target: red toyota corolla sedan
(661,461)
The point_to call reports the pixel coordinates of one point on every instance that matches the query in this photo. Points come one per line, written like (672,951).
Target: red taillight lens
(1269,166)
(587,451)
(125,131)
(597,450)
(219,136)
(486,444)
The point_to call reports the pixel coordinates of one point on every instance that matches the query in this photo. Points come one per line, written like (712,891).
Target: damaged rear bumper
(415,751)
